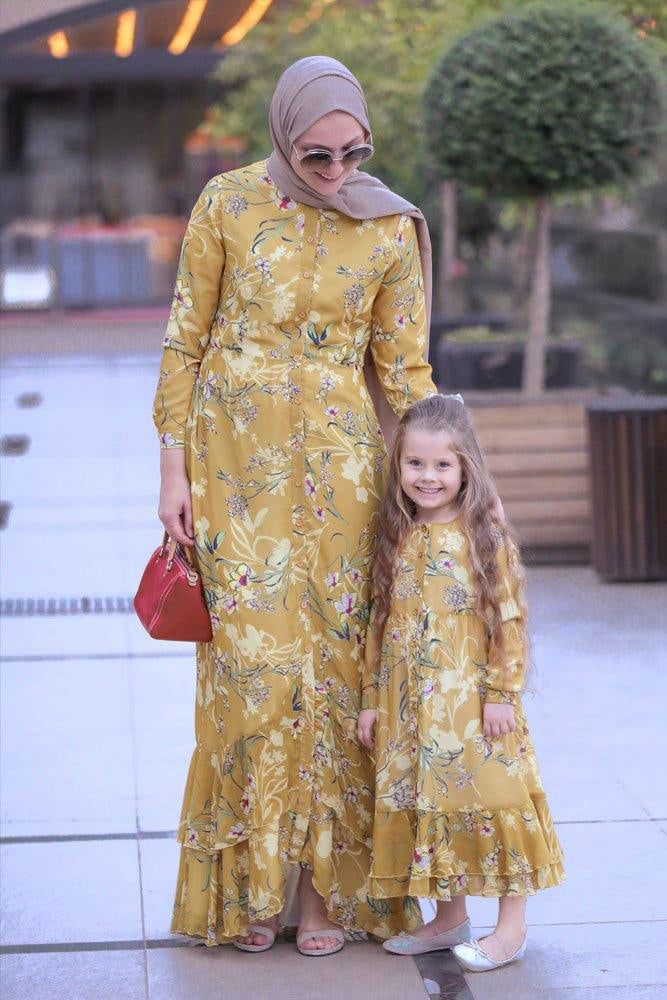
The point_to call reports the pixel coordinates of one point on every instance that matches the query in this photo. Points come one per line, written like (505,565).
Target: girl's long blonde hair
(477,500)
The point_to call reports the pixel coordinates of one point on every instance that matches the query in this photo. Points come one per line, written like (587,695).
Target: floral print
(454,812)
(261,382)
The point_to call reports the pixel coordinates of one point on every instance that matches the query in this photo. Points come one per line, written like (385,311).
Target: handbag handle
(171,545)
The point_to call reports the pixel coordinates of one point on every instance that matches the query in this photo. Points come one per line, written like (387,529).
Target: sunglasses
(323,158)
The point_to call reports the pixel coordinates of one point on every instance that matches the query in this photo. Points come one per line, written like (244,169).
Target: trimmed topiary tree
(543,99)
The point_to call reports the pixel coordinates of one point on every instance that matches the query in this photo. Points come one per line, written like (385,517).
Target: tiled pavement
(97,732)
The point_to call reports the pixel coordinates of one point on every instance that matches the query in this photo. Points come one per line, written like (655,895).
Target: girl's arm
(369,685)
(371,665)
(505,670)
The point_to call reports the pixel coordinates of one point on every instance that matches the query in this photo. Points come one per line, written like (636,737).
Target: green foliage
(482,335)
(544,98)
(633,355)
(390,45)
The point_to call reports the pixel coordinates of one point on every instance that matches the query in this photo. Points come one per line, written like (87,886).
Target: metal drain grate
(28,400)
(5,508)
(14,444)
(29,607)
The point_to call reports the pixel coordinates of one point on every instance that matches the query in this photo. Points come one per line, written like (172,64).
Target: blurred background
(114,117)
(533,137)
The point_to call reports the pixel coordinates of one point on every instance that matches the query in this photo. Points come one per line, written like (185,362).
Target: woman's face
(334,132)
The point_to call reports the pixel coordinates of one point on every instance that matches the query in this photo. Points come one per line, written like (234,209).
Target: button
(310,239)
(301,315)
(306,274)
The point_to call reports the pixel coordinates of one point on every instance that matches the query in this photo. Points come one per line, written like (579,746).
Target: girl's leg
(448,914)
(510,930)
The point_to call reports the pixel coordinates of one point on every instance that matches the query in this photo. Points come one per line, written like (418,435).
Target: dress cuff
(171,440)
(369,697)
(494,697)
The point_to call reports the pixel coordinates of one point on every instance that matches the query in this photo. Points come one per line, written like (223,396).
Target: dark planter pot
(628,450)
(498,364)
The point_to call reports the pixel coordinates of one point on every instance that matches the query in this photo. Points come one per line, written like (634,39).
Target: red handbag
(170,600)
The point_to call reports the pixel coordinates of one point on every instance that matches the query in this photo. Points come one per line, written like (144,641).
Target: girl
(460,808)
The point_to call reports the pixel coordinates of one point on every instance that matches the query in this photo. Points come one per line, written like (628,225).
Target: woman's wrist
(172,462)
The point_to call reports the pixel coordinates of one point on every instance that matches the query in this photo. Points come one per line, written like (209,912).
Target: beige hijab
(307,90)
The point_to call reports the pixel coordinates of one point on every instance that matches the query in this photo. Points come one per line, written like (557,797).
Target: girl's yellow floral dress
(261,382)
(454,812)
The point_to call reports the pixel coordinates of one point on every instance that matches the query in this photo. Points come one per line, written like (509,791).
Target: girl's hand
(498,719)
(366,727)
(175,508)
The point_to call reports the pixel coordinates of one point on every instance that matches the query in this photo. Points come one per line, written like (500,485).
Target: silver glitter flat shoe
(472,958)
(408,944)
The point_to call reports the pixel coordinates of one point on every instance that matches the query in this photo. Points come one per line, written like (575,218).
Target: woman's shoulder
(398,223)
(251,177)
(400,232)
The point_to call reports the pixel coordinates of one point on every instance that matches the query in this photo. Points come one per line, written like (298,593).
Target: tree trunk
(448,227)
(540,303)
(521,276)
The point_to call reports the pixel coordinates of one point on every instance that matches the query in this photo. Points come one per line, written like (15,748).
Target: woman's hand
(498,719)
(175,508)
(498,510)
(366,727)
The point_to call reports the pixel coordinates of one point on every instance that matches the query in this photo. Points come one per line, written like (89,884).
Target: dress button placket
(299,520)
(301,307)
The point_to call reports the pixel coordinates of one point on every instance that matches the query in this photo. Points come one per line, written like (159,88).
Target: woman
(272,465)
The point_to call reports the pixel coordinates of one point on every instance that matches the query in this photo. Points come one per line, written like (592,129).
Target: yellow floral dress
(454,812)
(261,382)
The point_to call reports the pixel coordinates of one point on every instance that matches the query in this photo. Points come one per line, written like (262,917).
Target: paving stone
(70,892)
(74,975)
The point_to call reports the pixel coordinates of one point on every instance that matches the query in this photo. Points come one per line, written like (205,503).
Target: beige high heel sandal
(320,952)
(257,929)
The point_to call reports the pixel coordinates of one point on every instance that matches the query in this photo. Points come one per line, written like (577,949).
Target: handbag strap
(171,545)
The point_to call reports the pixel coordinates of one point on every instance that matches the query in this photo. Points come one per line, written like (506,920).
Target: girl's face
(431,474)
(335,133)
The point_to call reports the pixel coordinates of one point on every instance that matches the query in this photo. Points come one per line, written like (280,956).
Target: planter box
(538,454)
(498,364)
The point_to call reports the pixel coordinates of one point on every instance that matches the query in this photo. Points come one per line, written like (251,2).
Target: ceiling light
(125,30)
(246,22)
(187,27)
(58,45)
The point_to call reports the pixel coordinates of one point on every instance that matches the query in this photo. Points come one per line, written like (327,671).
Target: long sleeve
(505,679)
(371,665)
(193,308)
(399,327)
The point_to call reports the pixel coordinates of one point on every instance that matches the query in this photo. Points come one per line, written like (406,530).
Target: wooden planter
(538,454)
